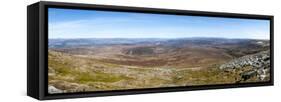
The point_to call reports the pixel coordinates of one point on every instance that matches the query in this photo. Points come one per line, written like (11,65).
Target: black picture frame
(37,31)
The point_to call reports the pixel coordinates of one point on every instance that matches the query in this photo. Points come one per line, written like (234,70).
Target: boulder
(52,90)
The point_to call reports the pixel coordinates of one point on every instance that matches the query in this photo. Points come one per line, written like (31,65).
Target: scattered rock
(248,74)
(52,90)
(259,62)
(69,87)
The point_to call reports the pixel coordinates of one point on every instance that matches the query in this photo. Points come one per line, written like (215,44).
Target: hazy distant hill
(234,47)
(56,43)
(99,41)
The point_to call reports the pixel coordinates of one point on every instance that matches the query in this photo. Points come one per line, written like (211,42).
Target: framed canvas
(85,50)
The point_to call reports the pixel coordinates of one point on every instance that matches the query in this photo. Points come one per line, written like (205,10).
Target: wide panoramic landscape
(99,52)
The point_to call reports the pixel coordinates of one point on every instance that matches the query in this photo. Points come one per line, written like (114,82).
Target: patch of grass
(64,68)
(205,76)
(85,77)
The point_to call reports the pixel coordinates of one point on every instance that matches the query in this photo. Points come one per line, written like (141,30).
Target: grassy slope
(74,73)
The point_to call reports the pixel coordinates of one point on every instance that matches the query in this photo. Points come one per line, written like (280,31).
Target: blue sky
(70,23)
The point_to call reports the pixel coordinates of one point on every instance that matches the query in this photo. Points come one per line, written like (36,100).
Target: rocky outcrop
(258,60)
(259,64)
(53,90)
(58,86)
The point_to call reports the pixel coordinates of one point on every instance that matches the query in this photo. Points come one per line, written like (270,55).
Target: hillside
(95,65)
(255,66)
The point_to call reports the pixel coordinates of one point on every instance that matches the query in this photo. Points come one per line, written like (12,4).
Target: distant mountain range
(59,43)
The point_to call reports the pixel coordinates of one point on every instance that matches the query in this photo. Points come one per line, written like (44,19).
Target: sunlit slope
(80,65)
(72,73)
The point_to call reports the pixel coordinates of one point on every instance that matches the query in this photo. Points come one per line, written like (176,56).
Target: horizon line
(156,38)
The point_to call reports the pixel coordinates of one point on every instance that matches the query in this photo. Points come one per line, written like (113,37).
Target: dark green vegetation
(157,63)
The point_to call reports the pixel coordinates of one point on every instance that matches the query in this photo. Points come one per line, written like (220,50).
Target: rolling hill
(77,65)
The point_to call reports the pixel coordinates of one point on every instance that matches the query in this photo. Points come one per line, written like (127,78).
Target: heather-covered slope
(129,64)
